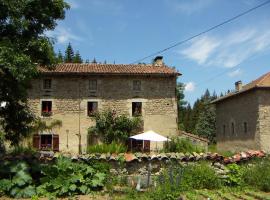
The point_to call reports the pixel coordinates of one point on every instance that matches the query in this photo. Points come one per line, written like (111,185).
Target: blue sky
(125,31)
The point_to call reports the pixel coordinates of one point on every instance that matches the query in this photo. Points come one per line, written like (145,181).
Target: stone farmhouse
(243,116)
(72,92)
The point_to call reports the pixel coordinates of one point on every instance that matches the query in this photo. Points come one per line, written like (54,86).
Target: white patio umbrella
(149,136)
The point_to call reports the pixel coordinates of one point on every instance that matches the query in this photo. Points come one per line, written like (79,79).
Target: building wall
(69,96)
(238,110)
(264,118)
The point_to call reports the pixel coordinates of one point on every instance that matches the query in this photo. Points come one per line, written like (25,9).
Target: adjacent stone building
(243,116)
(71,92)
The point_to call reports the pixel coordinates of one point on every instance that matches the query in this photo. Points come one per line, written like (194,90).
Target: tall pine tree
(77,58)
(69,54)
(60,58)
(181,103)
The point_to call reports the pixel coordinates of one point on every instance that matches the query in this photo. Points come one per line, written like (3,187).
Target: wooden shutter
(55,142)
(36,141)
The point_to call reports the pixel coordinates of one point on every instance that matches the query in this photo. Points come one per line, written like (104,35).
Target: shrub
(258,175)
(114,147)
(200,176)
(18,182)
(181,145)
(112,127)
(67,178)
(17,150)
(234,176)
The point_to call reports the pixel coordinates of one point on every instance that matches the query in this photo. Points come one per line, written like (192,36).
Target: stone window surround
(135,84)
(40,107)
(129,105)
(232,128)
(245,127)
(85,102)
(96,82)
(43,86)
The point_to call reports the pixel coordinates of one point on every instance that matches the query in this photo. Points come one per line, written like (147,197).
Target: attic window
(93,85)
(47,84)
(137,85)
(136,108)
(46,108)
(92,108)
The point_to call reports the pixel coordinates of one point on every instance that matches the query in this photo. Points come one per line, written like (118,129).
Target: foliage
(199,119)
(200,176)
(69,54)
(40,125)
(2,145)
(77,58)
(23,47)
(114,147)
(234,176)
(20,185)
(18,150)
(181,104)
(183,145)
(258,175)
(65,178)
(112,127)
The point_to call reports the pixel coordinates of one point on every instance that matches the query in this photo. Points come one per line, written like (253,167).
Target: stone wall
(238,110)
(69,96)
(264,118)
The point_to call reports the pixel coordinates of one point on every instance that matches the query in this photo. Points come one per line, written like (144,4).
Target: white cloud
(190,6)
(201,49)
(235,73)
(63,35)
(230,50)
(189,87)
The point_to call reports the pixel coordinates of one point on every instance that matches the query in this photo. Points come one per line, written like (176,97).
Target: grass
(114,147)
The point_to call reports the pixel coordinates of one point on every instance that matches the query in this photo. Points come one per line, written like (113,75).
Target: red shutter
(36,140)
(55,142)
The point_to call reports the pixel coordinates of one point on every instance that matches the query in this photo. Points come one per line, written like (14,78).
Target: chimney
(158,61)
(238,86)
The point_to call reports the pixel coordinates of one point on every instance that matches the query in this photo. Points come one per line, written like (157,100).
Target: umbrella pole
(156,147)
(143,145)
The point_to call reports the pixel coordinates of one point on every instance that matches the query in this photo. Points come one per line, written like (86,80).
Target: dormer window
(47,84)
(93,85)
(137,85)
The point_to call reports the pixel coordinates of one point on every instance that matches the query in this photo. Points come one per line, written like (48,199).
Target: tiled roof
(118,69)
(261,82)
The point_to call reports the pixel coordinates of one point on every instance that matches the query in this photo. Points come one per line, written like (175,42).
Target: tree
(69,54)
(94,61)
(23,46)
(77,58)
(60,58)
(180,104)
(112,127)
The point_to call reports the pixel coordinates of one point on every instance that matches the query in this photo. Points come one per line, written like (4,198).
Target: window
(46,108)
(137,85)
(245,127)
(93,85)
(92,107)
(232,128)
(46,142)
(47,84)
(136,108)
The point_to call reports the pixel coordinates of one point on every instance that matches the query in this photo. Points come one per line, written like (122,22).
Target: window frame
(47,113)
(90,85)
(135,86)
(224,129)
(133,109)
(233,128)
(91,114)
(44,84)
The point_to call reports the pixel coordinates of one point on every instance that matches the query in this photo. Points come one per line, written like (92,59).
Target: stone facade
(243,121)
(69,95)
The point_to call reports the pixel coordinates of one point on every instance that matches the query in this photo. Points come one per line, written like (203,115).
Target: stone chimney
(238,85)
(158,61)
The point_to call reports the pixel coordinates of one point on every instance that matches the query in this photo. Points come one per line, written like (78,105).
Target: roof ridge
(262,78)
